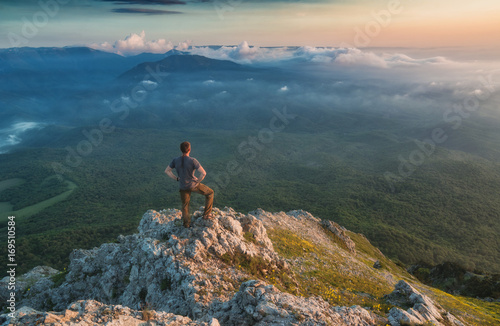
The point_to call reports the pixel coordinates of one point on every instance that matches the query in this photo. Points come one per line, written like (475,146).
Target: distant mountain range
(73,58)
(38,82)
(88,60)
(181,62)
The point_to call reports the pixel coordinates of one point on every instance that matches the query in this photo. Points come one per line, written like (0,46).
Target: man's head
(185,147)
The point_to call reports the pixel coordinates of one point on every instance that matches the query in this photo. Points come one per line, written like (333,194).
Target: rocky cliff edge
(258,268)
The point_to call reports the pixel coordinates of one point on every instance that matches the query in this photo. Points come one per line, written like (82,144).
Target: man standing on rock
(188,182)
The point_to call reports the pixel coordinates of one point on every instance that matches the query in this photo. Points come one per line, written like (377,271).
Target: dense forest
(382,154)
(432,216)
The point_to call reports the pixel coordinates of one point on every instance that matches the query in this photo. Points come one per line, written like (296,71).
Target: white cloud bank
(247,54)
(137,43)
(243,53)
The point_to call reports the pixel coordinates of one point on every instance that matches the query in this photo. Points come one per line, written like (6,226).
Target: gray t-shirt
(185,167)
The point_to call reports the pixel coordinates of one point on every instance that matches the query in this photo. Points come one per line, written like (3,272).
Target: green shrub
(59,278)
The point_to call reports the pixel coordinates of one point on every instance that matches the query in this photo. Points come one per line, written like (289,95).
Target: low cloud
(358,57)
(245,53)
(148,84)
(21,127)
(137,43)
(12,135)
(405,60)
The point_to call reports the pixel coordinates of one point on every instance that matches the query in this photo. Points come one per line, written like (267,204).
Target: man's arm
(169,172)
(202,174)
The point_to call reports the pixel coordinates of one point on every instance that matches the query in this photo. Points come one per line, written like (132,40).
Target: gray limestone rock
(257,303)
(422,311)
(170,275)
(90,312)
(340,234)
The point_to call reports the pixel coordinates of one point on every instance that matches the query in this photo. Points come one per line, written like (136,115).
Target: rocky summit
(258,268)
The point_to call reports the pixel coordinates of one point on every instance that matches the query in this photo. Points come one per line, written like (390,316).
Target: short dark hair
(185,147)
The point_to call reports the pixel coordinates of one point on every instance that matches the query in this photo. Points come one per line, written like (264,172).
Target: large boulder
(422,310)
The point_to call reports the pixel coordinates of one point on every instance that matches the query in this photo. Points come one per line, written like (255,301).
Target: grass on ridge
(321,272)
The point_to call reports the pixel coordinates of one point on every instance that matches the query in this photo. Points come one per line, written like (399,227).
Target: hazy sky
(358,23)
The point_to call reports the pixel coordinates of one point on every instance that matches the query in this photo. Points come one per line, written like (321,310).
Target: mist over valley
(402,149)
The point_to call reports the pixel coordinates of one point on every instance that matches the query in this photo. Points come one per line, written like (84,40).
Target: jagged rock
(90,312)
(340,234)
(164,264)
(186,276)
(422,309)
(303,215)
(34,281)
(252,225)
(155,223)
(257,303)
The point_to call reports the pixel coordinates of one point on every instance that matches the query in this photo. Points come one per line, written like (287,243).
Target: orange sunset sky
(472,25)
